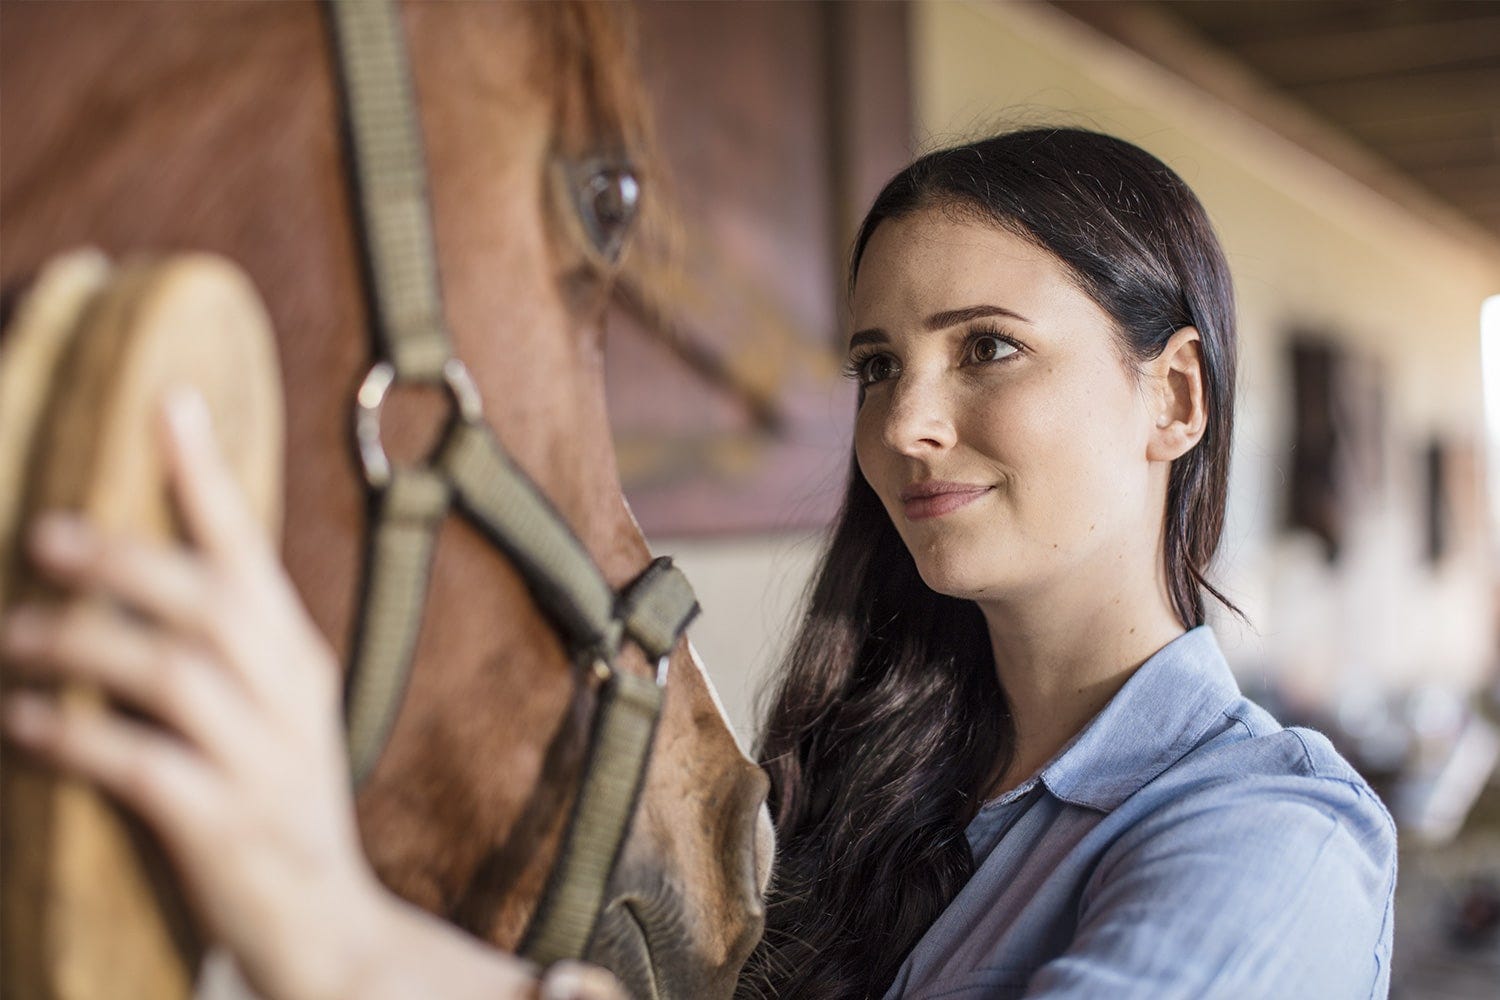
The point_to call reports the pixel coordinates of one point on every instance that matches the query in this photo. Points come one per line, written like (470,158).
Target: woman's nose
(920,420)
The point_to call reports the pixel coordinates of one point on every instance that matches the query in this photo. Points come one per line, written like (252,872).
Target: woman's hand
(240,769)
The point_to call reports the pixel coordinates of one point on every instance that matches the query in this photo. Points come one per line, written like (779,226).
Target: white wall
(749,589)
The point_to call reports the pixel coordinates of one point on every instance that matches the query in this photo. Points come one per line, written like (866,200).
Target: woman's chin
(961,579)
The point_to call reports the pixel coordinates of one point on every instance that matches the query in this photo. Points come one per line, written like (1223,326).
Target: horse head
(149,127)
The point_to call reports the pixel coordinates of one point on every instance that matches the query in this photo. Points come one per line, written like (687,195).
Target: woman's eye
(988,348)
(871,368)
(879,368)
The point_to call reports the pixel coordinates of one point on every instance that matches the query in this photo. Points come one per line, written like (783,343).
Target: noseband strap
(472,474)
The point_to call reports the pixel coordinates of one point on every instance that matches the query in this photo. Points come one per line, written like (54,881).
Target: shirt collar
(1160,714)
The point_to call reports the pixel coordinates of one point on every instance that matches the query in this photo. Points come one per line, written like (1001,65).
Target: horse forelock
(587,62)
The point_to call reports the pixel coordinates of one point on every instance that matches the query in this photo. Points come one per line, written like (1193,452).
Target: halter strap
(472,473)
(391,180)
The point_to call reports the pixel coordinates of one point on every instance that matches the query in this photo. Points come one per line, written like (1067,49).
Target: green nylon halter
(471,473)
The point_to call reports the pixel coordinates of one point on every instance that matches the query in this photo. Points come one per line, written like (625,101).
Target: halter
(471,474)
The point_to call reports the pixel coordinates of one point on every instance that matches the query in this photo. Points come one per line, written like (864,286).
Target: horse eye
(607,198)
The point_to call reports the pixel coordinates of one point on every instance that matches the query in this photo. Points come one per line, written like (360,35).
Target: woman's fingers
(143,768)
(218,519)
(163,583)
(568,980)
(199,602)
(167,679)
(228,591)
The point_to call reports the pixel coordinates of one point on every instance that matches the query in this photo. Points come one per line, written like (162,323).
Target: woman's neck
(1062,658)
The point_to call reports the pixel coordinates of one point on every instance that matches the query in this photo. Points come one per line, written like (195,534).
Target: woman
(1007,755)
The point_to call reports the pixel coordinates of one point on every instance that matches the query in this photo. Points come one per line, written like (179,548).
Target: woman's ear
(1175,395)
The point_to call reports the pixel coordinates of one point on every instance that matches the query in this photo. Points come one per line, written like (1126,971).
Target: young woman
(1008,757)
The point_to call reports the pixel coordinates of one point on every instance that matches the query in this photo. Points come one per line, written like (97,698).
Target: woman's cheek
(868,448)
(1062,473)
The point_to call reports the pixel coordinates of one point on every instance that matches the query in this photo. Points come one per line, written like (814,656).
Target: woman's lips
(921,503)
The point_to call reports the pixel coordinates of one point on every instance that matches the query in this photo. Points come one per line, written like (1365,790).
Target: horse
(156,126)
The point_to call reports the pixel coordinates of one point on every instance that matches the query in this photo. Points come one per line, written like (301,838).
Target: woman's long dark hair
(887,721)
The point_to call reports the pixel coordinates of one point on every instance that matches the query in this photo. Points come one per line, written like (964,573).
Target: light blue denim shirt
(1184,844)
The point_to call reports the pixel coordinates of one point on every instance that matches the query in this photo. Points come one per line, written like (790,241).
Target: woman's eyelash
(854,368)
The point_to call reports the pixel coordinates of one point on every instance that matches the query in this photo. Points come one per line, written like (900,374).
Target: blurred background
(1349,155)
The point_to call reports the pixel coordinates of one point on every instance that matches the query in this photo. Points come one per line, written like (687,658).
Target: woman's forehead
(930,260)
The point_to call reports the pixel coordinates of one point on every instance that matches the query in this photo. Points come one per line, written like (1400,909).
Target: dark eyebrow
(953,317)
(939,321)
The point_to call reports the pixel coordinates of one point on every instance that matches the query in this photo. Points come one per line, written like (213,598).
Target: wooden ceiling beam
(1343,125)
(1358,53)
(1487,213)
(1415,153)
(1254,22)
(1439,125)
(1490,214)
(1460,180)
(1395,98)
(1259,21)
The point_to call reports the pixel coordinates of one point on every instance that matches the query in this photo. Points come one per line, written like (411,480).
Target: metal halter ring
(370,401)
(604,671)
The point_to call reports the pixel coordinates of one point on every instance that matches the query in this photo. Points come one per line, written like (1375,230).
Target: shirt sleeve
(1276,887)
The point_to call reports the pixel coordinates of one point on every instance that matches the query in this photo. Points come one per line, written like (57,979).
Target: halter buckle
(369,403)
